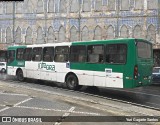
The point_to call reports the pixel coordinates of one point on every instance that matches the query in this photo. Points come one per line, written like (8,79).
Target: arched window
(9,7)
(29,6)
(74,34)
(74,6)
(111,5)
(51,6)
(86,5)
(18,35)
(124,33)
(125,4)
(137,32)
(110,32)
(1,8)
(62,7)
(139,4)
(18,7)
(98,33)
(85,34)
(152,4)
(62,34)
(51,37)
(151,34)
(40,36)
(98,5)
(40,6)
(9,35)
(28,36)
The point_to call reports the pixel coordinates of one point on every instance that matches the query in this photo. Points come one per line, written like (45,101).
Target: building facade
(51,21)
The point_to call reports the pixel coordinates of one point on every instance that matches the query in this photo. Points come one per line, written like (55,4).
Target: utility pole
(13,33)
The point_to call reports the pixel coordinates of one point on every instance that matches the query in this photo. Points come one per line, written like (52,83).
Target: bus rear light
(135,72)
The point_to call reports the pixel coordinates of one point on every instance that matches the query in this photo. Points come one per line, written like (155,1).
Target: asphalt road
(37,98)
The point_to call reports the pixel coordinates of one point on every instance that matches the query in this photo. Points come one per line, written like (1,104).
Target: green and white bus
(117,63)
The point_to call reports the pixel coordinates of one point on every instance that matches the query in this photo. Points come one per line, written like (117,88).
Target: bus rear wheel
(20,76)
(72,82)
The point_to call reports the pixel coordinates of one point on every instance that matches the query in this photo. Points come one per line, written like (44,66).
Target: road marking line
(15,104)
(14,94)
(26,100)
(65,115)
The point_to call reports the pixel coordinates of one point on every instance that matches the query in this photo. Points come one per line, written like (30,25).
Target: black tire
(72,82)
(3,70)
(20,76)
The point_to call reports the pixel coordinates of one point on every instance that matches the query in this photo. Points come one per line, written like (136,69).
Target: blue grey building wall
(37,22)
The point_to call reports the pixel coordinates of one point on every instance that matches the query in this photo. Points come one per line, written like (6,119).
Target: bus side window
(61,54)
(78,53)
(116,53)
(10,56)
(95,53)
(48,54)
(37,54)
(27,54)
(20,53)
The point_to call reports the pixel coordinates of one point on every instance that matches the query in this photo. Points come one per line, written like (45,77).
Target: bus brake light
(135,72)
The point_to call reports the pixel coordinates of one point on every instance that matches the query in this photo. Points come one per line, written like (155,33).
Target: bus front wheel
(72,82)
(20,76)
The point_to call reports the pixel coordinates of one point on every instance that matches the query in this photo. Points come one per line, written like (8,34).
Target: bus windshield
(11,55)
(144,49)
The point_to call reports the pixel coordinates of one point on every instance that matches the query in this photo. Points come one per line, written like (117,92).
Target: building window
(51,6)
(152,4)
(51,37)
(37,54)
(18,7)
(61,54)
(74,34)
(98,5)
(116,53)
(9,7)
(28,36)
(125,4)
(29,6)
(74,6)
(40,6)
(62,33)
(9,36)
(40,36)
(124,33)
(85,34)
(95,53)
(110,32)
(98,33)
(78,53)
(139,4)
(111,5)
(151,34)
(86,5)
(48,54)
(62,7)
(1,8)
(18,35)
(137,32)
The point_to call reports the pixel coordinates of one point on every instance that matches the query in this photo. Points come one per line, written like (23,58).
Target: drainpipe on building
(117,11)
(45,19)
(79,20)
(13,33)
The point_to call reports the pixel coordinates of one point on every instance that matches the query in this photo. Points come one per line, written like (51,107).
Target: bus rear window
(144,50)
